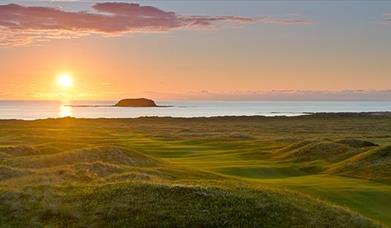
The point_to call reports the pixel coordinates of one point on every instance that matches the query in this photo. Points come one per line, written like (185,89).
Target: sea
(31,110)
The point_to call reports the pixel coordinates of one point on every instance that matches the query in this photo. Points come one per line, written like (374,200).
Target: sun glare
(65,80)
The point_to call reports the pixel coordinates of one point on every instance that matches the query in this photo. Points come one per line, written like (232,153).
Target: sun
(65,80)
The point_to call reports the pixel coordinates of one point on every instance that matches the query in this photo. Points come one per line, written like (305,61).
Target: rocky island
(128,102)
(136,102)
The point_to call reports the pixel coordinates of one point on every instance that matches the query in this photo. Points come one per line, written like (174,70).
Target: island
(128,102)
(136,102)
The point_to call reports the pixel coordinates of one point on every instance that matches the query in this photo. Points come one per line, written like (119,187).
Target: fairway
(275,171)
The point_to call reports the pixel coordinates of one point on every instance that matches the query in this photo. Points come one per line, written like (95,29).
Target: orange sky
(232,58)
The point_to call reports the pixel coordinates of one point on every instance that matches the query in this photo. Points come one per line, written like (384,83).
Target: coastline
(30,110)
(115,106)
(230,117)
(334,157)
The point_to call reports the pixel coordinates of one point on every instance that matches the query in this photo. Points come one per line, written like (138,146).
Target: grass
(320,170)
(373,164)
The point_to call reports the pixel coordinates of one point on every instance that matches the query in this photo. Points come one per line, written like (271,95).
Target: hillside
(374,164)
(232,171)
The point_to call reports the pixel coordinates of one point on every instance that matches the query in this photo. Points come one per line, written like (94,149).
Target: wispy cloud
(20,25)
(278,95)
(387,17)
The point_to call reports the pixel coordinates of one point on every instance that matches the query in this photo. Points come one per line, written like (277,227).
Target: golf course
(320,170)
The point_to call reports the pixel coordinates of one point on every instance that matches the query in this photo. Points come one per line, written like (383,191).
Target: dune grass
(320,170)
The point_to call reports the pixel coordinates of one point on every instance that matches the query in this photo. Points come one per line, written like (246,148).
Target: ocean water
(29,110)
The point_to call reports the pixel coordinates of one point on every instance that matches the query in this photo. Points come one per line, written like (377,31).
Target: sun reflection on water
(65,111)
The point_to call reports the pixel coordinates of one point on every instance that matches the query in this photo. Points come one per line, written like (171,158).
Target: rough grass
(8,172)
(107,154)
(169,205)
(357,143)
(373,165)
(317,151)
(312,171)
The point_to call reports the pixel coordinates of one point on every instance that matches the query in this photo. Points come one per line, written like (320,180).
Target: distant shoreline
(319,115)
(42,110)
(114,106)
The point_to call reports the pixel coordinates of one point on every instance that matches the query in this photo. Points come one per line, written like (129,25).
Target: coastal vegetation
(321,170)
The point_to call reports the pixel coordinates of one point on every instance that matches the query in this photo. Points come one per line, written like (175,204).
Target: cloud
(278,95)
(20,25)
(282,21)
(387,17)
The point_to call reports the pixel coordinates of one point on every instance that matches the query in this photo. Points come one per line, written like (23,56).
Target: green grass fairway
(324,170)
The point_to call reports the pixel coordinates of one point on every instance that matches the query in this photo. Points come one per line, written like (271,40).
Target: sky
(196,50)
